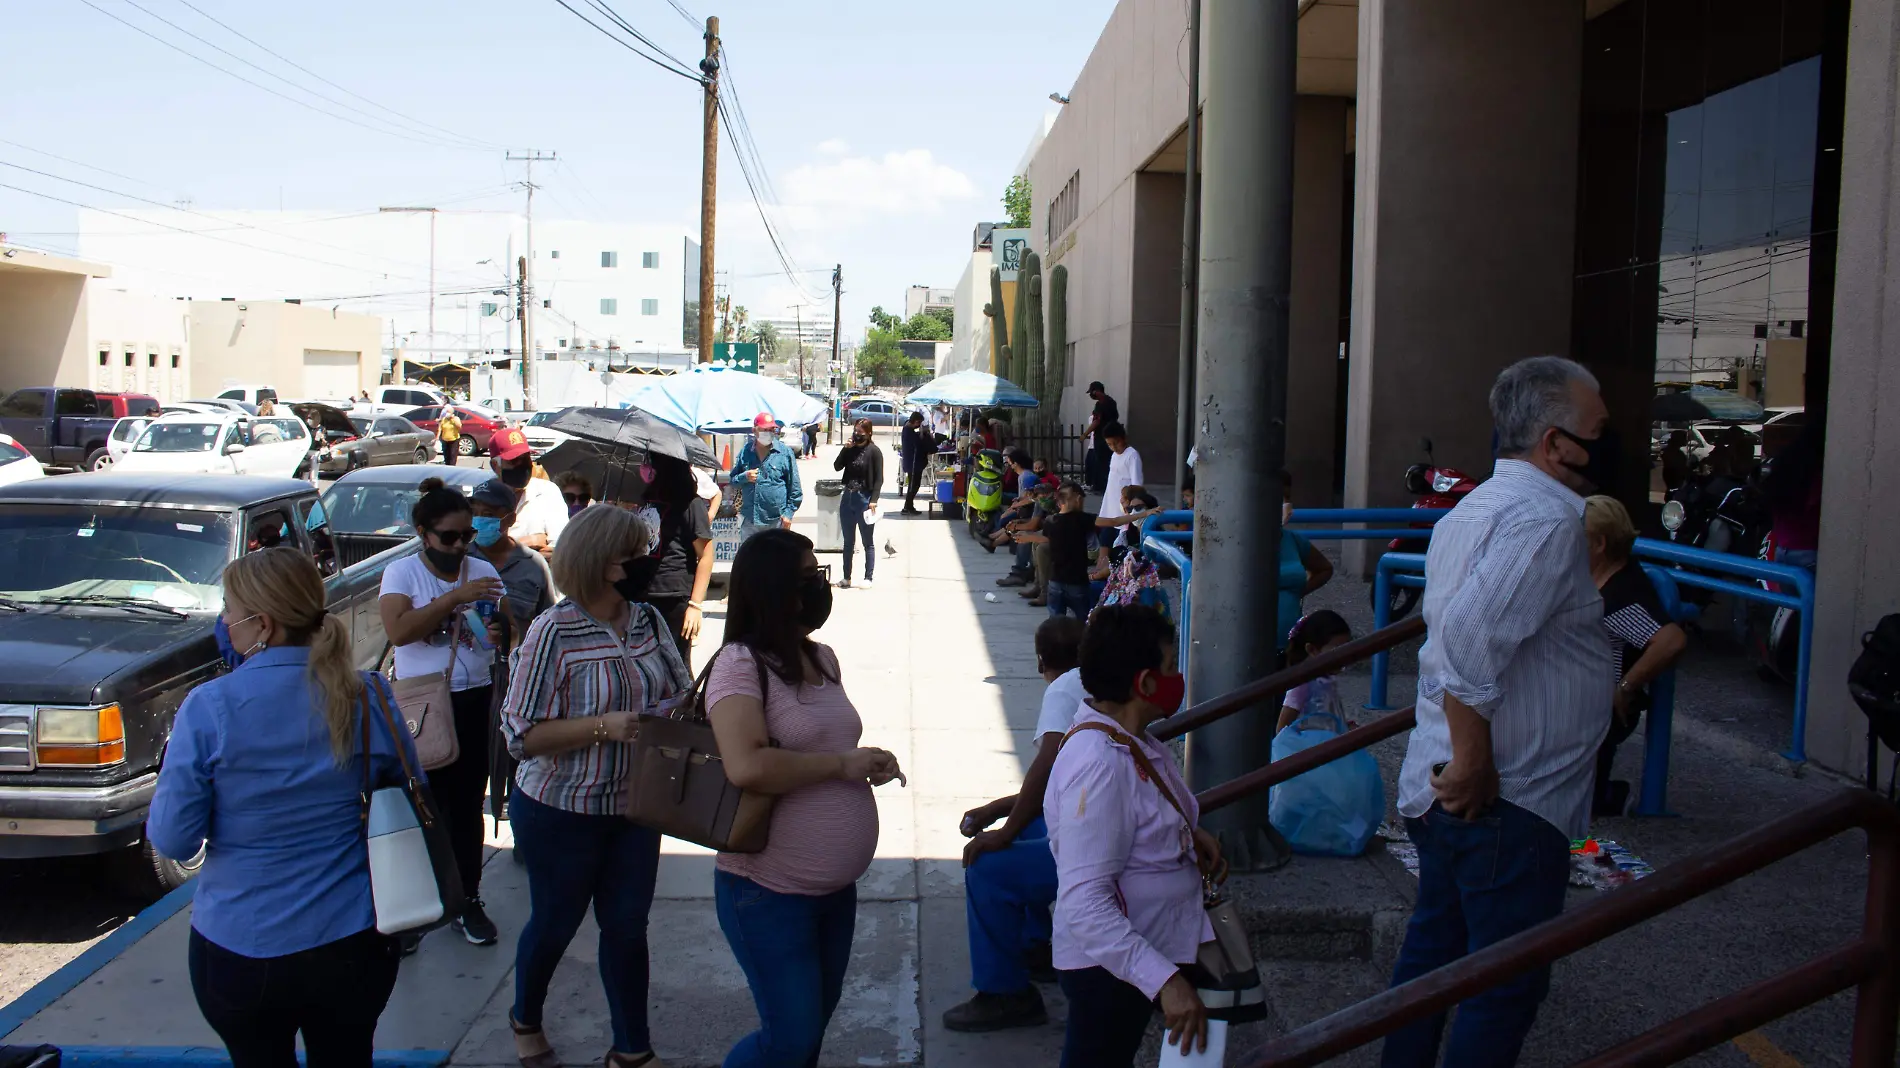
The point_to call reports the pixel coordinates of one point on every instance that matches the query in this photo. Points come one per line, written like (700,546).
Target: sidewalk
(941,677)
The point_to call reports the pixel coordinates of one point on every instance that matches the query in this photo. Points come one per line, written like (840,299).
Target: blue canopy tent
(972,389)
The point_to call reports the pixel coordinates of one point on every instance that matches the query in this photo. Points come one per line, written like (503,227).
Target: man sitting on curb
(1009,875)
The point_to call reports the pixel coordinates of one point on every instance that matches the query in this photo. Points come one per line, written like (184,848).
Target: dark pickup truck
(108,605)
(60,427)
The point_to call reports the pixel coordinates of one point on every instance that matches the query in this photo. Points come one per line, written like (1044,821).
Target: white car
(221,444)
(119,442)
(17,464)
(534,427)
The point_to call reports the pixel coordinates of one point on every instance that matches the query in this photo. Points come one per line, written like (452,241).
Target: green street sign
(740,356)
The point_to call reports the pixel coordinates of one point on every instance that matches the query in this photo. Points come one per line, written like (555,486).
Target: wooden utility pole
(837,302)
(708,188)
(521,316)
(530,376)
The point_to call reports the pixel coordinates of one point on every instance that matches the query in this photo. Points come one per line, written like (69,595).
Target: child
(1315,633)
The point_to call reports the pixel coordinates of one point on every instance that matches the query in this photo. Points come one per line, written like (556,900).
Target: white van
(220,445)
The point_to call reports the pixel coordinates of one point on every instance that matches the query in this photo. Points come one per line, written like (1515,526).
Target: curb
(80,968)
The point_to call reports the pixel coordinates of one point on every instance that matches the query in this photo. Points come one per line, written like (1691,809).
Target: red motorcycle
(1435,487)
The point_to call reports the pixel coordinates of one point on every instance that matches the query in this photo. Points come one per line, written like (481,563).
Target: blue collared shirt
(249,774)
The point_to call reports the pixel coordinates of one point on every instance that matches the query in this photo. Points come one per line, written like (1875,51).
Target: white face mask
(765,438)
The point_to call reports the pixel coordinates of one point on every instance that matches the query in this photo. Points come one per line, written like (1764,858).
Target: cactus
(1056,349)
(1018,366)
(1034,384)
(999,324)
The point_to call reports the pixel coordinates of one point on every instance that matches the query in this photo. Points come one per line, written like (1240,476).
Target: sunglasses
(573,498)
(453,537)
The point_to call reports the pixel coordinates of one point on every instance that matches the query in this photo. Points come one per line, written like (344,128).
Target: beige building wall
(298,350)
(43,302)
(137,343)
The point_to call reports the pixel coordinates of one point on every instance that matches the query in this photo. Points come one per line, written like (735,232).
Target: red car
(125,404)
(476,427)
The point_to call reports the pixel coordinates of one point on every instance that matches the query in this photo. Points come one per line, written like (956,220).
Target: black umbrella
(608,445)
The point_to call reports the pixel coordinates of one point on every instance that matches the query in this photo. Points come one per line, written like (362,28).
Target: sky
(887,128)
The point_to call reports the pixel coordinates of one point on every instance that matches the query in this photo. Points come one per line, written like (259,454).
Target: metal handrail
(1326,663)
(1871,962)
(1287,767)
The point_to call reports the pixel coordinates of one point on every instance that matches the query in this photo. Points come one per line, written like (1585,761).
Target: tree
(883,320)
(882,357)
(949,317)
(767,337)
(1018,201)
(921,327)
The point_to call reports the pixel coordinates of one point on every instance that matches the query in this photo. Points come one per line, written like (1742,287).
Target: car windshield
(542,418)
(361,425)
(172,556)
(182,436)
(370,508)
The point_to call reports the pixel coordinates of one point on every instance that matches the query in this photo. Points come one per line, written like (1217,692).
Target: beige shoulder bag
(427,706)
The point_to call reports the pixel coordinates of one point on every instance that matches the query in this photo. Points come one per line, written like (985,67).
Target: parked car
(229,444)
(478,425)
(382,440)
(124,433)
(879,412)
(251,395)
(17,464)
(229,405)
(540,437)
(395,400)
(60,427)
(368,509)
(107,623)
(124,404)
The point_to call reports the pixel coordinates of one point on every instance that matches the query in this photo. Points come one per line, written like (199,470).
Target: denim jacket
(776,494)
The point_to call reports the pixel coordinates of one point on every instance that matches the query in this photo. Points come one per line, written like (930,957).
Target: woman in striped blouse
(586,669)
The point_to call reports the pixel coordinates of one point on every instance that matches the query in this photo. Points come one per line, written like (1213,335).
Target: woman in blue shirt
(263,773)
(1303,568)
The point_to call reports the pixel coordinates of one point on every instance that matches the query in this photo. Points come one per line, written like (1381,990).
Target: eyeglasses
(453,537)
(574,498)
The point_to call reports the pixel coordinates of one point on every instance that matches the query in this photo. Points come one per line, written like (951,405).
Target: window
(490,308)
(610,259)
(649,307)
(75,402)
(609,306)
(129,357)
(555,255)
(24,405)
(1063,209)
(105,358)
(175,361)
(650,260)
(151,359)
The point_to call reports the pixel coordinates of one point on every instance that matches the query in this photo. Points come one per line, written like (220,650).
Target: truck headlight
(80,737)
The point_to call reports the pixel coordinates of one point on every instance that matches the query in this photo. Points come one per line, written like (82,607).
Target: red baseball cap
(508,444)
(765,422)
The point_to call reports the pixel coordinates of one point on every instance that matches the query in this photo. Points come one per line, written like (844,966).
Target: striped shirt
(1515,632)
(571,666)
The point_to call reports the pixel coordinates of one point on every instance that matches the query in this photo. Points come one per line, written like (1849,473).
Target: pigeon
(889,549)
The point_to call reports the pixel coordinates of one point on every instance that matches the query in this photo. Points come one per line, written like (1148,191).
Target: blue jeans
(794,949)
(1107,1019)
(1479,882)
(1075,597)
(851,509)
(1006,896)
(575,860)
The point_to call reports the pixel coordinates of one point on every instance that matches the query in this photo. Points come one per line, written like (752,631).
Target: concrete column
(1464,217)
(1312,373)
(1859,575)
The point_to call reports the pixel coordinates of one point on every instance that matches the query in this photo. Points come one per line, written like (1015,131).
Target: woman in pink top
(1128,910)
(789,910)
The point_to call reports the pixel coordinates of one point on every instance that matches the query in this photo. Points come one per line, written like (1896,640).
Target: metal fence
(1057,444)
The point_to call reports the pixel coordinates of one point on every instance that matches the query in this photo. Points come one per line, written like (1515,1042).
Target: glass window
(170,555)
(178,436)
(25,404)
(555,255)
(175,361)
(609,306)
(650,260)
(9,452)
(75,402)
(649,307)
(610,259)
(105,358)
(316,527)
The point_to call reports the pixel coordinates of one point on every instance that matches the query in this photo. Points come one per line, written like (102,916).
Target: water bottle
(1211,1057)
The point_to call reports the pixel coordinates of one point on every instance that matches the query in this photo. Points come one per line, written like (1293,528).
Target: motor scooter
(1435,487)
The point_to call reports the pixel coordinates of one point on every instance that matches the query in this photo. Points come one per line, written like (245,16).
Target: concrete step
(1327,909)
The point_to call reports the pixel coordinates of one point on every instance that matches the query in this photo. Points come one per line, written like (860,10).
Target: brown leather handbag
(678,783)
(427,707)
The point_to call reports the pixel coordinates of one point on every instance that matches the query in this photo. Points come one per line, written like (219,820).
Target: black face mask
(814,602)
(516,477)
(445,560)
(1605,454)
(639,577)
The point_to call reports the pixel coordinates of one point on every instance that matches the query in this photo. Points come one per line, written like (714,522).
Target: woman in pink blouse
(1128,912)
(786,727)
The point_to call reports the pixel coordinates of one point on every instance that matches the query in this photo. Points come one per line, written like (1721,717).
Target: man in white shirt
(1514,693)
(1009,875)
(543,513)
(1124,470)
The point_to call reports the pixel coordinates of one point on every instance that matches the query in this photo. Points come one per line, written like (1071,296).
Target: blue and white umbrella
(711,399)
(972,389)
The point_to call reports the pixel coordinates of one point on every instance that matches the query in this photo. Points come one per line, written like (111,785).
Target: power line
(671,68)
(386,130)
(791,270)
(692,20)
(277,55)
(614,17)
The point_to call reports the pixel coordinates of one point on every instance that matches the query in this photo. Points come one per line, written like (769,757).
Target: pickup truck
(60,427)
(108,610)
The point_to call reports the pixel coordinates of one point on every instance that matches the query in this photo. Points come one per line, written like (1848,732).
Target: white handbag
(413,879)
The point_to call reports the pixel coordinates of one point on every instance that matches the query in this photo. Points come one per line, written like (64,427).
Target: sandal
(616,1059)
(544,1059)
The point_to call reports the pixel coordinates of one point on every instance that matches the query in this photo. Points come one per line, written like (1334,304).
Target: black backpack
(1874,682)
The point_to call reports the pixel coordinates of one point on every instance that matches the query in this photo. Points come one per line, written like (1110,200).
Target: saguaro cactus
(1019,333)
(1056,349)
(999,324)
(1034,384)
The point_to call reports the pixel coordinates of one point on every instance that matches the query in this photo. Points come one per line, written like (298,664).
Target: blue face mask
(487,530)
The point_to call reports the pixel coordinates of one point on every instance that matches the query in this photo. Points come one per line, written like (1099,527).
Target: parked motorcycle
(1435,487)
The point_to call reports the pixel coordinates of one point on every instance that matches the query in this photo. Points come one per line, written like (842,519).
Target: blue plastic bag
(1333,810)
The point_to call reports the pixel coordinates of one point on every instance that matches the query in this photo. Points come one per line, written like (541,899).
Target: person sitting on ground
(1009,876)
(1644,641)
(1029,521)
(1313,634)
(1130,853)
(1070,534)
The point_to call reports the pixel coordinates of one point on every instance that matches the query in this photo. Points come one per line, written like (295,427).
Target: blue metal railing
(1167,551)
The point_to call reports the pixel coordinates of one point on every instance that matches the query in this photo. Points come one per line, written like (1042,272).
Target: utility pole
(531,374)
(1190,260)
(708,187)
(521,316)
(798,311)
(1240,393)
(837,303)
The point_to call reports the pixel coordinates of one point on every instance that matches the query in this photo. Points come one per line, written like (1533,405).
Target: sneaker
(997,1012)
(865,585)
(1015,578)
(845,584)
(408,942)
(1039,601)
(1029,591)
(475,924)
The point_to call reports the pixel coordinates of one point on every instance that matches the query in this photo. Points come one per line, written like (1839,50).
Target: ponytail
(334,676)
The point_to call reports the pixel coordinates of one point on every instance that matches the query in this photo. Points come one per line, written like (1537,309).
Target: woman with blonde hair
(263,773)
(585,671)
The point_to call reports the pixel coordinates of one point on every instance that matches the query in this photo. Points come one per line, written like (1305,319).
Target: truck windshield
(178,437)
(172,556)
(370,508)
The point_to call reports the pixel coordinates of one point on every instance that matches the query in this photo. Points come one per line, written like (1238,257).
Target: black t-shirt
(1106,412)
(1632,614)
(680,527)
(1071,546)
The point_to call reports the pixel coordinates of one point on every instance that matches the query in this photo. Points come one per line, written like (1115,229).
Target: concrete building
(920,299)
(298,350)
(970,328)
(64,323)
(1664,189)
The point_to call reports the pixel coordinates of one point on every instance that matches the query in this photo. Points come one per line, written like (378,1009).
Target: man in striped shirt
(1514,693)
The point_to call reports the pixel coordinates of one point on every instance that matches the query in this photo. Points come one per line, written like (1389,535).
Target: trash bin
(830,534)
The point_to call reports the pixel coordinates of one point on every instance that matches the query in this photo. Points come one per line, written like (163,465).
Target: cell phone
(477,627)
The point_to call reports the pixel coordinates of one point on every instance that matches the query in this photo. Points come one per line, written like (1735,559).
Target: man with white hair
(1514,680)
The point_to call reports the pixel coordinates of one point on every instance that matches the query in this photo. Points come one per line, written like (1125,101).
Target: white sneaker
(865,585)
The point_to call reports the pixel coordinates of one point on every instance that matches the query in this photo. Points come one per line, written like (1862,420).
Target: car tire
(99,460)
(422,455)
(468,446)
(147,875)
